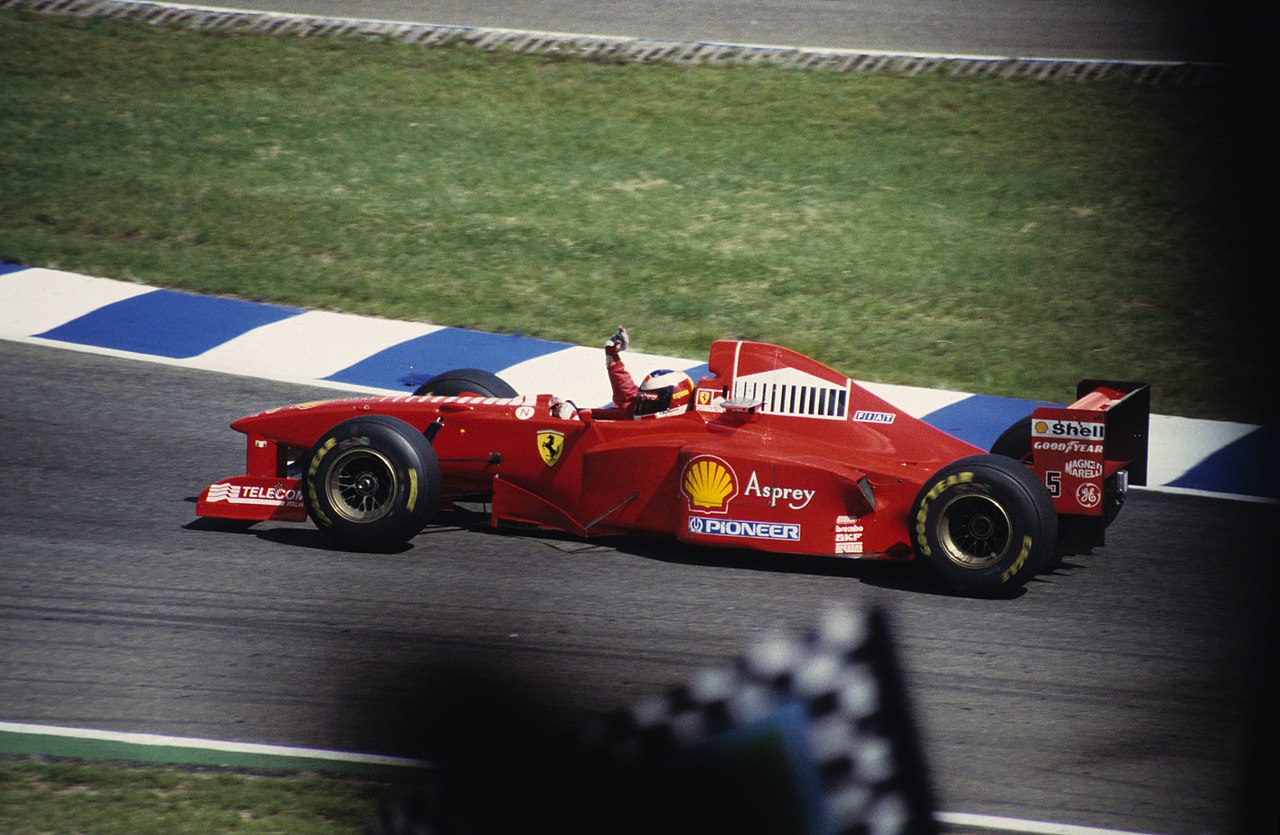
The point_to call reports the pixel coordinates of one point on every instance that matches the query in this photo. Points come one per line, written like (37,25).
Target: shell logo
(709,484)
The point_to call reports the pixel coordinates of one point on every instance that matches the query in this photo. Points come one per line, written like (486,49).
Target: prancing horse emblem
(550,445)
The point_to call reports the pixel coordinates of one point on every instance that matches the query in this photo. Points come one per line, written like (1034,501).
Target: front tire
(372,481)
(984,525)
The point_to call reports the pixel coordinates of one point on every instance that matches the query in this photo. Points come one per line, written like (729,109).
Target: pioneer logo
(702,526)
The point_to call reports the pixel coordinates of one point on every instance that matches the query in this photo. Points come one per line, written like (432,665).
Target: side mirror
(745,405)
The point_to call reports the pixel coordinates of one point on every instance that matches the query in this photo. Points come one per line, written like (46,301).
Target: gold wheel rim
(974,531)
(361,485)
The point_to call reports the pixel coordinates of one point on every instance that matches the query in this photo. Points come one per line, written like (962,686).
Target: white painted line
(989,823)
(954,819)
(207,744)
(1207,494)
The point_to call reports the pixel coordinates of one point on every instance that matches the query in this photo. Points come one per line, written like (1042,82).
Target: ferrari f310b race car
(778,453)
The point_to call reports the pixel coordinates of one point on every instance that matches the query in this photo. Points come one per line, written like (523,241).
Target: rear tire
(1015,442)
(464,381)
(372,481)
(984,525)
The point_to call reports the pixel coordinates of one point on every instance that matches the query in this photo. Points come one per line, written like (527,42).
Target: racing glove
(620,341)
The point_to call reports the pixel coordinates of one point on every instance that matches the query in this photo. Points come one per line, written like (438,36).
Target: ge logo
(1089,495)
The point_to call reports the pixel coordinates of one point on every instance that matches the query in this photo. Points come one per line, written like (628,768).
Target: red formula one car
(778,453)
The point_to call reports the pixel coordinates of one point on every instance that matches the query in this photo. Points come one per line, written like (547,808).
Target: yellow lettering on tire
(1008,573)
(320,454)
(922,513)
(921,527)
(312,469)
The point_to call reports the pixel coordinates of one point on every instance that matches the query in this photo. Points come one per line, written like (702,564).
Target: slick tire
(464,381)
(984,525)
(372,482)
(1015,442)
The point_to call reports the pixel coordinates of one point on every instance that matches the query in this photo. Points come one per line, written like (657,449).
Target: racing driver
(662,394)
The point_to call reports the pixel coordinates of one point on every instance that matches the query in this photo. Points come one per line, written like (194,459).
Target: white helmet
(664,393)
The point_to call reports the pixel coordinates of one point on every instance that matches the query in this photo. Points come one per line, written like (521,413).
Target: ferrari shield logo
(550,445)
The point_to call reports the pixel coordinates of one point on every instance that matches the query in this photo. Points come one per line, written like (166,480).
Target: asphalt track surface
(1117,692)
(1132,30)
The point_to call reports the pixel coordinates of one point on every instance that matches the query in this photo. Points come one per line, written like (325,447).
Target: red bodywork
(779,454)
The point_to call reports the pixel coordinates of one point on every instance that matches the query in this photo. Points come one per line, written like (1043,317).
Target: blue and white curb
(367,354)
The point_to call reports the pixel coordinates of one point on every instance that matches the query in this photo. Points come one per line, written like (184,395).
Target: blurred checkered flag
(805,735)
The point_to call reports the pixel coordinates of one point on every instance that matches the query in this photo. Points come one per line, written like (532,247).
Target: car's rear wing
(1077,448)
(1127,408)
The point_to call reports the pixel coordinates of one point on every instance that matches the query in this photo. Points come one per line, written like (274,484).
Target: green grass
(90,798)
(1002,237)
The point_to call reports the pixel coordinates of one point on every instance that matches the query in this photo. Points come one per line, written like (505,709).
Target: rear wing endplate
(1128,418)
